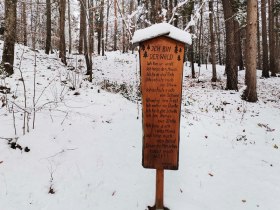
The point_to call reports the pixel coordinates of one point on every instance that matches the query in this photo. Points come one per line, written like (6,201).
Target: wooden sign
(161,62)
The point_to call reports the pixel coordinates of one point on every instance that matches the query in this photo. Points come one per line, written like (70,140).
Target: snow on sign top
(161,29)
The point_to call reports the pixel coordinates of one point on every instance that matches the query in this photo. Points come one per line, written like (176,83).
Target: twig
(8,139)
(14,120)
(34,92)
(64,119)
(62,151)
(44,91)
(23,109)
(24,92)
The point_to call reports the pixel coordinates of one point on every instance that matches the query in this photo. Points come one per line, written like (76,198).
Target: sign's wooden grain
(161,61)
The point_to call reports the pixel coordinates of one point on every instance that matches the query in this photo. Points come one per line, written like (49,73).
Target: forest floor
(85,149)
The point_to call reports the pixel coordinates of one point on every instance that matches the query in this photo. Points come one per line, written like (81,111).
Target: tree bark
(69,27)
(271,38)
(24,23)
(115,25)
(265,71)
(217,26)
(107,24)
(213,48)
(277,60)
(259,59)
(176,16)
(250,94)
(123,31)
(62,47)
(48,27)
(199,37)
(102,27)
(9,36)
(169,9)
(90,40)
(82,26)
(231,61)
(238,44)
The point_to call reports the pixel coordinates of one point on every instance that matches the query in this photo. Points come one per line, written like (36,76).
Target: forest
(219,29)
(72,108)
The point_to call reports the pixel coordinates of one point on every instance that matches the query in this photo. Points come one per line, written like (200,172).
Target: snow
(87,147)
(161,29)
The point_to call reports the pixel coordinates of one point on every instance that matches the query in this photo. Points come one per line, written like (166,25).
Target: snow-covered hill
(85,150)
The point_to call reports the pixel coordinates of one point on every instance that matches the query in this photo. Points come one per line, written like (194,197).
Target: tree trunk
(265,72)
(169,9)
(259,59)
(213,48)
(107,24)
(82,25)
(123,30)
(85,40)
(152,12)
(271,38)
(231,61)
(238,44)
(24,23)
(69,27)
(102,27)
(199,37)
(9,36)
(90,40)
(189,11)
(250,94)
(217,26)
(48,27)
(176,16)
(115,25)
(277,60)
(62,47)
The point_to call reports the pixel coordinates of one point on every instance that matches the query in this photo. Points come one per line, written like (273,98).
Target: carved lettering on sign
(161,84)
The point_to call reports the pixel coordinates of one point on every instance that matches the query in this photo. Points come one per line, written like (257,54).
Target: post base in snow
(154,208)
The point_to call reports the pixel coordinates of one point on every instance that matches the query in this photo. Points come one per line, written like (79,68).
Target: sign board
(161,61)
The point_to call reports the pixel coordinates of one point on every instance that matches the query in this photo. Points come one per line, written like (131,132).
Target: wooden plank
(161,61)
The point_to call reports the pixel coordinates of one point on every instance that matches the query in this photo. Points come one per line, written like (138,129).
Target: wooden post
(159,189)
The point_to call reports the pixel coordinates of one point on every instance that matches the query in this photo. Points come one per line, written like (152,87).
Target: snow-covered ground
(85,150)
